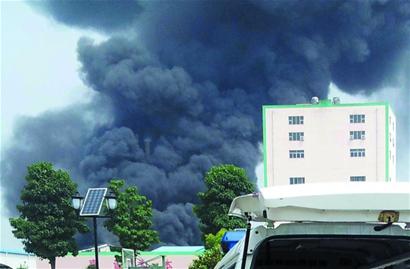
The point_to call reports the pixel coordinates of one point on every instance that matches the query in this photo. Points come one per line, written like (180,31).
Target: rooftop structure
(328,141)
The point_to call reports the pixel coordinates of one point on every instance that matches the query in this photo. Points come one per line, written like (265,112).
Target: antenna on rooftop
(314,100)
(147,146)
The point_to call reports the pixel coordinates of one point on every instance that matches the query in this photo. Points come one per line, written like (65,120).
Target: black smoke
(177,219)
(102,15)
(185,85)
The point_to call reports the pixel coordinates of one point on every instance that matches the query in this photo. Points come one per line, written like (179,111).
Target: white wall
(326,144)
(15,260)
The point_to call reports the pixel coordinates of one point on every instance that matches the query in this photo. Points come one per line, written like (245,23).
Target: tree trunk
(53,262)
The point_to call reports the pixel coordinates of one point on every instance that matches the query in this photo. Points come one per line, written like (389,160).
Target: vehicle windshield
(333,252)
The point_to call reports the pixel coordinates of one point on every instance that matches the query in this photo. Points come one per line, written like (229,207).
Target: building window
(296,180)
(357,118)
(296,154)
(357,152)
(298,136)
(296,120)
(357,178)
(355,135)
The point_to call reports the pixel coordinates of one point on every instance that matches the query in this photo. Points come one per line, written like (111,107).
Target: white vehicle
(337,225)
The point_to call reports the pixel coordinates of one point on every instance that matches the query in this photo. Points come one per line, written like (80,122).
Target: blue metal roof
(178,249)
(15,252)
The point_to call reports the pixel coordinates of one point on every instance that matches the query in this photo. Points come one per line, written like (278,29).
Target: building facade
(174,257)
(328,141)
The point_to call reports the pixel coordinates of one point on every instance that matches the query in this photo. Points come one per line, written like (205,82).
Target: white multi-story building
(328,141)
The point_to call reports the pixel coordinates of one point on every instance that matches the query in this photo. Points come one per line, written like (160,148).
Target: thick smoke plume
(102,15)
(183,85)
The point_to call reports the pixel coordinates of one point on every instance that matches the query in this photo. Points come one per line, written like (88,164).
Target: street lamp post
(78,204)
(97,264)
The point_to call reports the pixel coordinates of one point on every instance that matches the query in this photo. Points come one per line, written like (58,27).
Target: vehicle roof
(330,202)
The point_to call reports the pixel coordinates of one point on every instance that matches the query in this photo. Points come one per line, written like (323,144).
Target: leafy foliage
(47,222)
(212,254)
(131,221)
(214,240)
(224,183)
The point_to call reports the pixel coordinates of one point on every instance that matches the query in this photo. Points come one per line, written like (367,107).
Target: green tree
(224,183)
(212,254)
(131,221)
(47,222)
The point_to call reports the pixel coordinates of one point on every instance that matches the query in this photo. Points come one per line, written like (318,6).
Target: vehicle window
(348,252)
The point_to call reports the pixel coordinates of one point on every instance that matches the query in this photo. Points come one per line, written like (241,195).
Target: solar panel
(93,202)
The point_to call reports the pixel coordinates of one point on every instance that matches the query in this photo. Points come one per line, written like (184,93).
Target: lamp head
(76,201)
(111,201)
